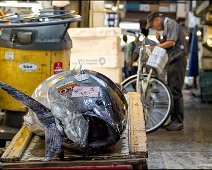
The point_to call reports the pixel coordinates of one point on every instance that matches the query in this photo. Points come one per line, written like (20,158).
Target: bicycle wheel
(157,104)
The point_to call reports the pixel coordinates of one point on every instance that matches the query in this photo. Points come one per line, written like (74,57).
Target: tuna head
(89,110)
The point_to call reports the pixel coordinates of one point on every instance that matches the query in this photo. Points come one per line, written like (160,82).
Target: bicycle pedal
(155,91)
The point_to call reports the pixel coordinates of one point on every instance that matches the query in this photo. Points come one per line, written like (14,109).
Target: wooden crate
(27,150)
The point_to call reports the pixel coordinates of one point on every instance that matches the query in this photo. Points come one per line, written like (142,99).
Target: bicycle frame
(142,83)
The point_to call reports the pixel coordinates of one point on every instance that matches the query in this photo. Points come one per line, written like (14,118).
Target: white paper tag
(85,91)
(9,55)
(81,77)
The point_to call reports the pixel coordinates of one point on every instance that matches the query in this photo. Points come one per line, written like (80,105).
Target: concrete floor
(190,148)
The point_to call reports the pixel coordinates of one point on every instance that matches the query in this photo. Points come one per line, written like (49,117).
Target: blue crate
(133,6)
(206,98)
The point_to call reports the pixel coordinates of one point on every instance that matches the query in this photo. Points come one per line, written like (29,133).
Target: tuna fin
(53,141)
(44,114)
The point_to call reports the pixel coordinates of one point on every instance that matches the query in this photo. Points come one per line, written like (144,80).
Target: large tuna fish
(85,110)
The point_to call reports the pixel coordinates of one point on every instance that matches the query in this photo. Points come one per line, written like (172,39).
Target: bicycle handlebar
(136,32)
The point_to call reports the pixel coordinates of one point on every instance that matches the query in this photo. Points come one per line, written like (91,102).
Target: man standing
(124,50)
(130,50)
(174,42)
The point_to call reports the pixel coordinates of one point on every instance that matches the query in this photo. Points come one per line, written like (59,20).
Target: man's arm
(128,53)
(167,44)
(135,57)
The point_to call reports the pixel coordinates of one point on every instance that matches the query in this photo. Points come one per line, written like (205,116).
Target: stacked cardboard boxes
(98,49)
(206,49)
(97,14)
(205,57)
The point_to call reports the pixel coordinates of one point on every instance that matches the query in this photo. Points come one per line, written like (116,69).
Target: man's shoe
(175,126)
(167,123)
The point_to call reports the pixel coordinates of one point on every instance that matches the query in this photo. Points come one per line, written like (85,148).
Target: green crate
(206,98)
(205,83)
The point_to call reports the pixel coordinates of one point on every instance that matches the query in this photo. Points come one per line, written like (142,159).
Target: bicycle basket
(158,59)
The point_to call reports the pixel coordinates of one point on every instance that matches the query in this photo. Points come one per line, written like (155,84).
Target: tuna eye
(100,103)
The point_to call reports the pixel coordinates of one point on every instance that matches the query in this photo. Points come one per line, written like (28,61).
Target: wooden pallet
(26,150)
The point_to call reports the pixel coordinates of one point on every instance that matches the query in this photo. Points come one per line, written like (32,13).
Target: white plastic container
(158,59)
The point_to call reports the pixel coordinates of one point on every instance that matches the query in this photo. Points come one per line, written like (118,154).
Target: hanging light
(187,37)
(209,42)
(199,33)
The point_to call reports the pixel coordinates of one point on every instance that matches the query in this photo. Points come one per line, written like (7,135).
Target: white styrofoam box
(97,5)
(97,60)
(205,63)
(144,7)
(163,9)
(173,7)
(94,45)
(181,10)
(97,18)
(93,32)
(158,59)
(115,74)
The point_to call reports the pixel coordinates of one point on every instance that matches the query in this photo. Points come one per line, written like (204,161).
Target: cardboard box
(205,63)
(97,5)
(153,7)
(207,33)
(209,16)
(97,18)
(97,60)
(205,52)
(164,4)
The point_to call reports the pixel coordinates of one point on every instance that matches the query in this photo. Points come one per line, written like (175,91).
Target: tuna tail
(53,136)
(35,106)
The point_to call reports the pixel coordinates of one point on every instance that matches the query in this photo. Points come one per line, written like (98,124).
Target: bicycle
(156,97)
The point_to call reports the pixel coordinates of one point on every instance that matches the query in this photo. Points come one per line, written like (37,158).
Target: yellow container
(26,69)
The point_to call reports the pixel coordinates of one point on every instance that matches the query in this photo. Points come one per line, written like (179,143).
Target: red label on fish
(65,88)
(58,67)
